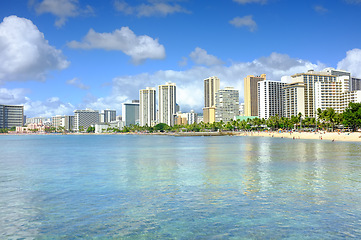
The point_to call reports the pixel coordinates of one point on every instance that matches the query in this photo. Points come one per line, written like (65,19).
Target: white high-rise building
(130,113)
(11,116)
(192,117)
(294,99)
(270,98)
(147,107)
(309,79)
(107,116)
(167,103)
(227,104)
(85,118)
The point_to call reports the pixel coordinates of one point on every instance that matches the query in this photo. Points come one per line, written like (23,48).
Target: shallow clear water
(163,187)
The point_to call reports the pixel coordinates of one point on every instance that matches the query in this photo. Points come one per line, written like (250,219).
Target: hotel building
(167,103)
(294,99)
(11,116)
(147,107)
(107,116)
(85,118)
(130,113)
(211,86)
(67,122)
(270,98)
(251,94)
(227,104)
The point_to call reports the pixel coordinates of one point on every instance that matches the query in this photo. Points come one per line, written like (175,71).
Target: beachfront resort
(309,101)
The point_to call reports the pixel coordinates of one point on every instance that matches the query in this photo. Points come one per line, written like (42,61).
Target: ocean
(166,187)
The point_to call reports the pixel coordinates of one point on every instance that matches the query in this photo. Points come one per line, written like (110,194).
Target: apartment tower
(147,106)
(227,104)
(251,94)
(211,86)
(167,103)
(270,98)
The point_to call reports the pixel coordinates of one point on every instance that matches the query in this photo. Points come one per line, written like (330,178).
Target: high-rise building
(130,113)
(11,116)
(270,98)
(67,122)
(211,86)
(192,117)
(167,103)
(227,104)
(294,99)
(355,84)
(309,79)
(147,107)
(83,119)
(107,116)
(251,94)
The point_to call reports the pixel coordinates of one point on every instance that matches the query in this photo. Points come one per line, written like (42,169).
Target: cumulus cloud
(200,56)
(246,21)
(62,9)
(25,53)
(152,8)
(320,9)
(353,1)
(250,1)
(139,48)
(77,83)
(352,62)
(50,107)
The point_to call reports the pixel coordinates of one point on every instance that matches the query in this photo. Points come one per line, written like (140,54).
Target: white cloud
(245,21)
(77,83)
(139,48)
(153,8)
(50,107)
(352,62)
(353,1)
(25,53)
(200,56)
(250,1)
(62,9)
(183,62)
(320,9)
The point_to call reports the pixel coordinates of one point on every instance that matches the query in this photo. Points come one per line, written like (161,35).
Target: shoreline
(320,135)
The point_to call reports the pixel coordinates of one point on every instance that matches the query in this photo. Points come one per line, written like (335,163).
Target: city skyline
(62,55)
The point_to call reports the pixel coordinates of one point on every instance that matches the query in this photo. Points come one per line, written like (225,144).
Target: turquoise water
(164,187)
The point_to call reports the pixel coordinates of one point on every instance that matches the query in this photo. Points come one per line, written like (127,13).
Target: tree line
(327,119)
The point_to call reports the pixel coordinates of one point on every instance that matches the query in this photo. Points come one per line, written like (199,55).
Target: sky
(57,56)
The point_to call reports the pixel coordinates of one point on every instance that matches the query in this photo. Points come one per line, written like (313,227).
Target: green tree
(352,116)
(161,127)
(90,129)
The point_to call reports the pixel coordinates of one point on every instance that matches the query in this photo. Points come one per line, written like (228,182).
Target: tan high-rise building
(211,86)
(251,94)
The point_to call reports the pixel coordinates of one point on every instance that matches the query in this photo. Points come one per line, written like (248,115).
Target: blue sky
(61,55)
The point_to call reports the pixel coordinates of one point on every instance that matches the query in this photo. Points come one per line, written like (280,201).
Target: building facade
(251,94)
(294,99)
(211,86)
(107,116)
(147,107)
(227,104)
(309,79)
(83,119)
(11,116)
(167,103)
(130,113)
(270,98)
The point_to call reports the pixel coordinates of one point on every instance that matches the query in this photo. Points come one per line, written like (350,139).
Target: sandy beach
(321,135)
